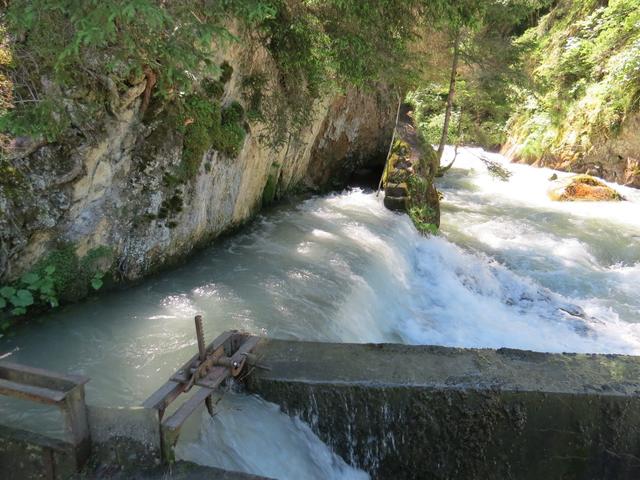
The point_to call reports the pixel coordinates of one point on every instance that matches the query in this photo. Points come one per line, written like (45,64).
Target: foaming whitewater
(510,269)
(250,435)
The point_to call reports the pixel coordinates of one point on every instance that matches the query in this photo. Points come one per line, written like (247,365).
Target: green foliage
(484,93)
(583,62)
(213,88)
(202,127)
(60,276)
(226,71)
(428,104)
(205,127)
(86,46)
(84,50)
(46,118)
(336,44)
(423,218)
(417,186)
(171,206)
(252,90)
(233,113)
(231,139)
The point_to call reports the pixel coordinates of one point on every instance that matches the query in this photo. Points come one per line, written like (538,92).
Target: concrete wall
(446,413)
(26,455)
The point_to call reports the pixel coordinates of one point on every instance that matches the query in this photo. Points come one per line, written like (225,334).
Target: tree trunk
(443,170)
(452,92)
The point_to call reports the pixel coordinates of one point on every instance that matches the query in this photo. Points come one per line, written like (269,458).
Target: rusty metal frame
(63,391)
(223,358)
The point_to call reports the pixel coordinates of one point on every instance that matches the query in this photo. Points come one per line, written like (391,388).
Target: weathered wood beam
(29,392)
(39,377)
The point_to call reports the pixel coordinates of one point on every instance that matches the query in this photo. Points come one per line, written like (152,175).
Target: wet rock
(583,188)
(615,158)
(124,186)
(395,203)
(396,189)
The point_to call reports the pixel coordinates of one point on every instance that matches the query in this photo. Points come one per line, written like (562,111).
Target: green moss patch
(270,188)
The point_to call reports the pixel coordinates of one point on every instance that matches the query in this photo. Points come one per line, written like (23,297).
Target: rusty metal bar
(183,374)
(202,351)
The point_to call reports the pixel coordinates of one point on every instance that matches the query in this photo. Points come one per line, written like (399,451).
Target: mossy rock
(396,189)
(398,176)
(583,188)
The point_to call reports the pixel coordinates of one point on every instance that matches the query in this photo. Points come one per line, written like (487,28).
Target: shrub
(234,113)
(60,276)
(230,140)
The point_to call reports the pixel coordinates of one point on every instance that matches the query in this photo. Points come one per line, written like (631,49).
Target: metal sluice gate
(224,358)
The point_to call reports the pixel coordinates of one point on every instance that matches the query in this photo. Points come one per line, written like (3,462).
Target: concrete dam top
(445,367)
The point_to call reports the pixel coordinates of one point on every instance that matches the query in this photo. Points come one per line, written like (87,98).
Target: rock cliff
(117,188)
(615,158)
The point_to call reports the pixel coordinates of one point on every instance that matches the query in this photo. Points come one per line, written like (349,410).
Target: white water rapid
(510,269)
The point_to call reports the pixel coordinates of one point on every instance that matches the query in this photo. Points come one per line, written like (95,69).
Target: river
(510,269)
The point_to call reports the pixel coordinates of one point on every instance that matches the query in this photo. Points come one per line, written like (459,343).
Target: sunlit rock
(582,188)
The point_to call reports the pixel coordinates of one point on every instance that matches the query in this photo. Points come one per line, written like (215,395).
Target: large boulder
(582,188)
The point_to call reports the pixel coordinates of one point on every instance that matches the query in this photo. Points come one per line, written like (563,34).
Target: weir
(395,411)
(436,412)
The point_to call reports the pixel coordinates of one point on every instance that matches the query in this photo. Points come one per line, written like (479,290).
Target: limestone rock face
(115,188)
(616,158)
(582,188)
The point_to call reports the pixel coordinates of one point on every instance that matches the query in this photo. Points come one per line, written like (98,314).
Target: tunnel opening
(367,176)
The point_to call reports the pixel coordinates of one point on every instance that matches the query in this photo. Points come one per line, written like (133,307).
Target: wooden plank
(175,421)
(162,398)
(39,377)
(214,377)
(29,392)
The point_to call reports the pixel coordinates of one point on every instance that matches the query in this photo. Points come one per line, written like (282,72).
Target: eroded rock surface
(117,188)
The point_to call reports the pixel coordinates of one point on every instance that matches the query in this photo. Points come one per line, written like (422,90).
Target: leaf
(53,301)
(7,292)
(5,325)
(50,270)
(47,291)
(23,298)
(3,303)
(18,311)
(30,278)
(96,283)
